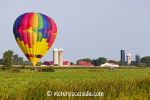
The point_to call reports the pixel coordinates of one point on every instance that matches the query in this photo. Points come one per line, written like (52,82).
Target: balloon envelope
(35,33)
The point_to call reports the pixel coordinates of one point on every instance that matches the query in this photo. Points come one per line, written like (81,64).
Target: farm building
(48,63)
(84,63)
(51,63)
(109,65)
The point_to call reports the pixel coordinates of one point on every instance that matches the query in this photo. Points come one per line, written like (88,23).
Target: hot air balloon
(35,33)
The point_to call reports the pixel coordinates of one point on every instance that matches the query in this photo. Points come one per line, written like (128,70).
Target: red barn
(84,63)
(66,63)
(50,63)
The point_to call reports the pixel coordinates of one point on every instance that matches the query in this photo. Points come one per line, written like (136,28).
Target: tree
(20,61)
(95,62)
(121,63)
(15,59)
(113,61)
(71,63)
(27,63)
(146,60)
(101,60)
(1,61)
(7,58)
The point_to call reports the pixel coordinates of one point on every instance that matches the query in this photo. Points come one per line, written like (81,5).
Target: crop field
(120,84)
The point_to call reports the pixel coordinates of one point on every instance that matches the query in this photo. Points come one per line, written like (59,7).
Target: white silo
(129,59)
(60,57)
(55,56)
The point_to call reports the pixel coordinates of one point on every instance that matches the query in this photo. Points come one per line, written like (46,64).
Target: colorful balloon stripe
(35,33)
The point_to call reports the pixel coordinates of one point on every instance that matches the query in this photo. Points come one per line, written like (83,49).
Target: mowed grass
(118,84)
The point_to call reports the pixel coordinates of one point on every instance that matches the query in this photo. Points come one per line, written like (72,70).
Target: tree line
(144,62)
(9,59)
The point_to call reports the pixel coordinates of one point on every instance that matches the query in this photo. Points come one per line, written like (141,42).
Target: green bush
(5,67)
(48,69)
(23,67)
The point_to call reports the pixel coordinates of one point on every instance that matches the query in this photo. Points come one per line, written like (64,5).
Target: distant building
(60,57)
(51,63)
(129,59)
(55,56)
(122,56)
(48,63)
(57,59)
(137,59)
(109,65)
(84,63)
(66,63)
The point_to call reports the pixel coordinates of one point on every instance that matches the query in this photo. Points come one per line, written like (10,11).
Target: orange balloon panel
(35,33)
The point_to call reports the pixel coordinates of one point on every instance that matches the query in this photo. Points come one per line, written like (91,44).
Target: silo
(60,57)
(123,57)
(137,59)
(129,59)
(55,56)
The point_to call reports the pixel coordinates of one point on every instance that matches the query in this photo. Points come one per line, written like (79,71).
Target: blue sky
(86,28)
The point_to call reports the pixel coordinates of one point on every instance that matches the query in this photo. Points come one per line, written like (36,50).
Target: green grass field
(120,84)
